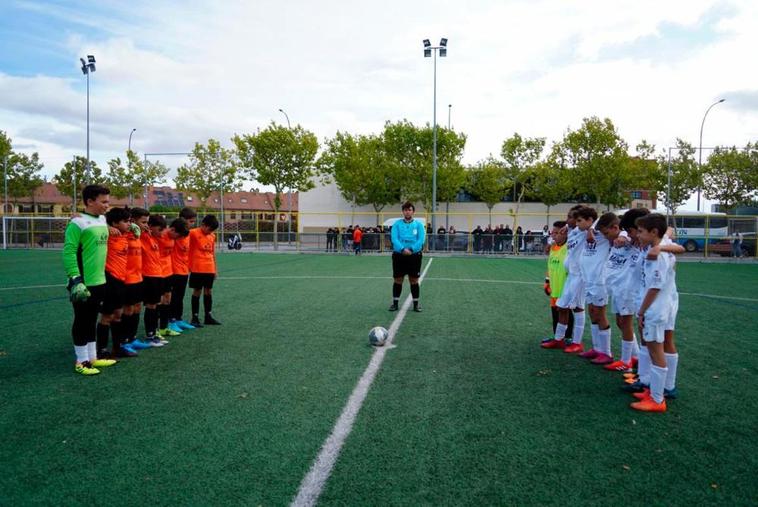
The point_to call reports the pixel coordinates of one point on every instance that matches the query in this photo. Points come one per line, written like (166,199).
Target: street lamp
(88,67)
(449,108)
(428,49)
(289,193)
(700,150)
(130,139)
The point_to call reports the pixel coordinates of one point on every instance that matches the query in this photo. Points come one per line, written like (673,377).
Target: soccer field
(466,409)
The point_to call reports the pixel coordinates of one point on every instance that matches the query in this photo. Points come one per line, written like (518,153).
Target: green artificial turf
(466,410)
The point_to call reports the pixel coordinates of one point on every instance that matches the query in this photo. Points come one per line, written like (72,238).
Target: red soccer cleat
(573,348)
(553,344)
(645,393)
(602,358)
(649,405)
(630,375)
(619,366)
(634,362)
(589,354)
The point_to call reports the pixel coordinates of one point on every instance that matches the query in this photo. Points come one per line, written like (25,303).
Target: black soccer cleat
(417,308)
(196,322)
(393,307)
(210,321)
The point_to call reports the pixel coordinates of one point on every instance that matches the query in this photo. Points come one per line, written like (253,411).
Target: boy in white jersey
(623,285)
(593,263)
(572,297)
(657,311)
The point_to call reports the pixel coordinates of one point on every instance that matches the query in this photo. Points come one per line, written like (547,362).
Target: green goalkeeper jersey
(556,270)
(85,249)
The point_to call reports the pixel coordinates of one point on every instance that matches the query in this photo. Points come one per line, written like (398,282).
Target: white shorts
(573,293)
(621,303)
(597,296)
(654,332)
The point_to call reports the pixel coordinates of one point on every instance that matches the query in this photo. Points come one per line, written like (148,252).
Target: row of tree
(590,164)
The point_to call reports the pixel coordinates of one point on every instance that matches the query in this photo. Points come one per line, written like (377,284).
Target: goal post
(33,231)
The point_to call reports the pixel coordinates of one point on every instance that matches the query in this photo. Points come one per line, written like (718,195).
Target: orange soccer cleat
(649,405)
(574,348)
(553,344)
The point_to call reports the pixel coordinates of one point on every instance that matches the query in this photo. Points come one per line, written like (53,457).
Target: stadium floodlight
(428,48)
(700,149)
(88,67)
(289,193)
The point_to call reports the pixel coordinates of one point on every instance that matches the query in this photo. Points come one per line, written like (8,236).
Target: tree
(74,173)
(729,176)
(487,181)
(281,157)
(599,160)
(119,179)
(685,175)
(521,156)
(211,168)
(361,170)
(551,183)
(22,171)
(135,177)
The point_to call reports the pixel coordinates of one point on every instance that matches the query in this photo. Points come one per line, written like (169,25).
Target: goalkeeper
(84,252)
(554,281)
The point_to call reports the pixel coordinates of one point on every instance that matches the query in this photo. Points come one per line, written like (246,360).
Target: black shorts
(134,293)
(153,287)
(176,282)
(406,265)
(201,280)
(115,294)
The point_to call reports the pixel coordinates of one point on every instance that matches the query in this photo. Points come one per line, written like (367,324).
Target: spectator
(329,239)
(488,237)
(737,244)
(451,230)
(508,238)
(441,233)
(518,240)
(499,238)
(477,233)
(357,239)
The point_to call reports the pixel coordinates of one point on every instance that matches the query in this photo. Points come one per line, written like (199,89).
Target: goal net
(33,231)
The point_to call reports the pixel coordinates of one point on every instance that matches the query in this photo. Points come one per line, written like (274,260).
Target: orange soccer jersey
(151,256)
(116,260)
(134,259)
(180,256)
(202,251)
(166,244)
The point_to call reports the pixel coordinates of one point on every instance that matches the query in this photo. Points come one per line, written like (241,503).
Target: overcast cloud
(181,72)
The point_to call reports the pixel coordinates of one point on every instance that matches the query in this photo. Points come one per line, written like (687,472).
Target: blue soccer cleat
(185,326)
(139,344)
(173,326)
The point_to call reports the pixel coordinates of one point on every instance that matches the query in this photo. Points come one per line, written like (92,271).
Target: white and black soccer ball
(378,336)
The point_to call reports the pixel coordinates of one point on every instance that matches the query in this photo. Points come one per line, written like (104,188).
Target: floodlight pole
(434,49)
(5,194)
(700,150)
(449,108)
(668,191)
(73,177)
(87,172)
(289,193)
(130,139)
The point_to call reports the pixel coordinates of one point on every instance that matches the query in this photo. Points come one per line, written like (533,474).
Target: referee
(407,242)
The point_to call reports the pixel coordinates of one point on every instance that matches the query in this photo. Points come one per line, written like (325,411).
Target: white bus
(693,228)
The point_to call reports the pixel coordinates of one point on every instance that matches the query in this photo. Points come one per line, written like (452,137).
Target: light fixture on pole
(88,67)
(700,150)
(289,193)
(130,139)
(428,50)
(449,109)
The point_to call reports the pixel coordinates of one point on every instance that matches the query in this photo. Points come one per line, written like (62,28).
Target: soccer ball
(378,336)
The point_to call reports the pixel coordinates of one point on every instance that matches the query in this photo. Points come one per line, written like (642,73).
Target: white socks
(626,351)
(635,347)
(578,327)
(92,350)
(593,334)
(560,331)
(81,353)
(657,380)
(672,361)
(643,367)
(604,341)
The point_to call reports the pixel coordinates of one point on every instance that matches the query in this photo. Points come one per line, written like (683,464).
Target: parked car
(724,247)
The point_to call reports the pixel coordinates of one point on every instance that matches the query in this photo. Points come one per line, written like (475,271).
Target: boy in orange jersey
(115,276)
(180,265)
(152,277)
(166,241)
(202,264)
(134,286)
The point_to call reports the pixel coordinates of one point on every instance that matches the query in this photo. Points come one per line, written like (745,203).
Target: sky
(184,72)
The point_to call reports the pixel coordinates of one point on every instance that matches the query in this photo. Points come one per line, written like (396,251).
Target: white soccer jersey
(593,261)
(659,274)
(574,244)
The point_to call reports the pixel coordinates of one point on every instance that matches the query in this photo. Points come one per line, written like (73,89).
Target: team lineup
(118,260)
(629,260)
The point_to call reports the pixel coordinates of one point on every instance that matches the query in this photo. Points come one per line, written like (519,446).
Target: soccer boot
(123,351)
(210,321)
(670,394)
(649,405)
(184,326)
(589,354)
(85,368)
(630,375)
(129,347)
(155,341)
(173,326)
(140,344)
(393,307)
(166,332)
(602,358)
(574,348)
(635,387)
(645,393)
(634,362)
(619,366)
(417,308)
(196,322)
(102,363)
(554,344)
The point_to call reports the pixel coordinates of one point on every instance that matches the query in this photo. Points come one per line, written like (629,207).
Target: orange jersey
(116,260)
(180,256)
(357,235)
(202,251)
(134,260)
(166,244)
(151,256)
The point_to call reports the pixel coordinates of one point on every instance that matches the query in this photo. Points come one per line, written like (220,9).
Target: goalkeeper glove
(548,291)
(135,230)
(77,289)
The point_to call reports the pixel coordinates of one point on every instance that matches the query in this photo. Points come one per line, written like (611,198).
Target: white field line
(313,483)
(440,279)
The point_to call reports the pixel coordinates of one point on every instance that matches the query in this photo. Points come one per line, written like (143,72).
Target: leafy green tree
(521,156)
(74,173)
(211,168)
(729,176)
(119,179)
(551,183)
(487,181)
(23,171)
(281,157)
(685,176)
(600,162)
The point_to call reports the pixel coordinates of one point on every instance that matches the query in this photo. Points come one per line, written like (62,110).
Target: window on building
(246,215)
(243,200)
(189,198)
(215,199)
(25,208)
(44,208)
(636,194)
